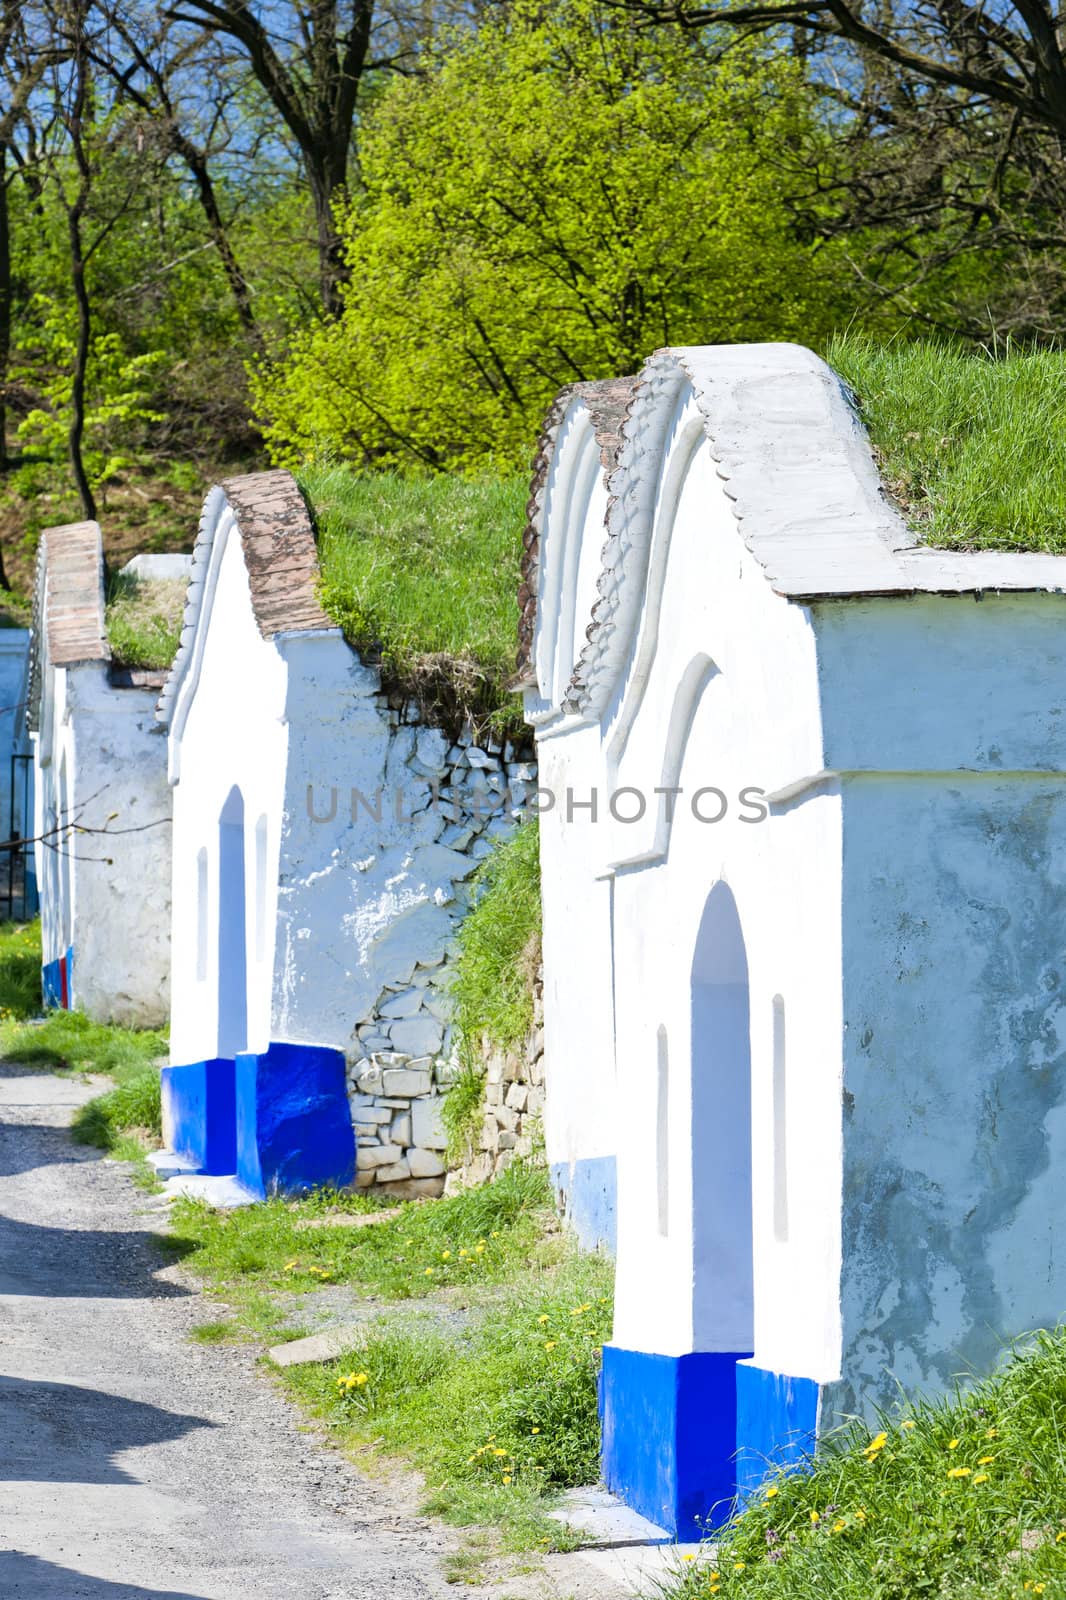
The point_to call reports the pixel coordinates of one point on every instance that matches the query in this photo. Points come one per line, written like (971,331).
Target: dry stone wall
(513,1109)
(402,1056)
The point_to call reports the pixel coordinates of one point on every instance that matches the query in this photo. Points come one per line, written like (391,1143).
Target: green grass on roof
(962,1500)
(422,574)
(144,619)
(970,445)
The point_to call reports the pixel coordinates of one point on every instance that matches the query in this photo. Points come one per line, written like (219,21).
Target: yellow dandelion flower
(991,1433)
(361,1378)
(480,1248)
(738,1566)
(1038,1588)
(982,1477)
(550,1344)
(428,1273)
(506,1477)
(534,1430)
(985,1461)
(499,1452)
(953,1444)
(908,1424)
(960,1472)
(772,1491)
(688,1558)
(839,1526)
(1059,1537)
(815,1516)
(495,1233)
(290,1266)
(445,1255)
(542,1320)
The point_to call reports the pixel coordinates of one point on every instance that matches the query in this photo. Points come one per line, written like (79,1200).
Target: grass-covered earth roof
(422,575)
(970,445)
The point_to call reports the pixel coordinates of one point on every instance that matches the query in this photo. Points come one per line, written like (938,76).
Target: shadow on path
(25,1577)
(86,1263)
(59,1433)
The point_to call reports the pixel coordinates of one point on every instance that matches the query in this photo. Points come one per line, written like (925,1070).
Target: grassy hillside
(970,446)
(964,1500)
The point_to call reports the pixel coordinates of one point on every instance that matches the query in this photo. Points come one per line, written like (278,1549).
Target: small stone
(382,1155)
(494,1094)
(506,1141)
(403,1081)
(414,1189)
(370,1080)
(417,1036)
(395,1173)
(405,1004)
(481,758)
(366,1134)
(535,1102)
(517,1095)
(523,1147)
(427,1129)
(425,1163)
(400,1132)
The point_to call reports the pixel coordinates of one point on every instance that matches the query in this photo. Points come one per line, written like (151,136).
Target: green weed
(144,619)
(473,1238)
(963,1498)
(132,1104)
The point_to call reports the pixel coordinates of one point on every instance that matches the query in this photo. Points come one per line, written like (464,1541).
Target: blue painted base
(294,1128)
(586,1193)
(199,1114)
(777,1424)
(669,1436)
(57,982)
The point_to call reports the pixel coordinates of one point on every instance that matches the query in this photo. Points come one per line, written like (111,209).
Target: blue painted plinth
(57,982)
(587,1194)
(777,1422)
(294,1128)
(669,1435)
(199,1114)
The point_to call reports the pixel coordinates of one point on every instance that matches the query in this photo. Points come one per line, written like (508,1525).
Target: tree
(1012,54)
(310,61)
(553,201)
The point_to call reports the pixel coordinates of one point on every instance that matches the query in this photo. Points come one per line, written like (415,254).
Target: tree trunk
(75,212)
(331,264)
(197,164)
(5,302)
(5,327)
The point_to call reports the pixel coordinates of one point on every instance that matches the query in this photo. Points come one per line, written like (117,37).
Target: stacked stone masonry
(402,1056)
(512,1124)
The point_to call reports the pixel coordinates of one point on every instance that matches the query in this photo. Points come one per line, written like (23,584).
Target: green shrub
(133,1105)
(144,618)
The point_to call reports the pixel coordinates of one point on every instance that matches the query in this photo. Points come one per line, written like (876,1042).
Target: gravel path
(135,1465)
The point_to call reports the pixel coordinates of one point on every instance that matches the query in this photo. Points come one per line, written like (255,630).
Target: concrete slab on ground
(317,1346)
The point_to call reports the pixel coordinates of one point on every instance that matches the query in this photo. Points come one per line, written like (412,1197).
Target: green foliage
(133,1104)
(517,1390)
(962,1498)
(964,440)
(497,953)
(461,1112)
(422,573)
(271,1246)
(144,620)
(498,947)
(20,971)
(71,1039)
(555,199)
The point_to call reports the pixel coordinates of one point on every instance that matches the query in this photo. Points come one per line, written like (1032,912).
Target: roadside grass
(499,1416)
(20,971)
(964,1498)
(422,575)
(144,618)
(482,1374)
(967,443)
(125,1120)
(468,1240)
